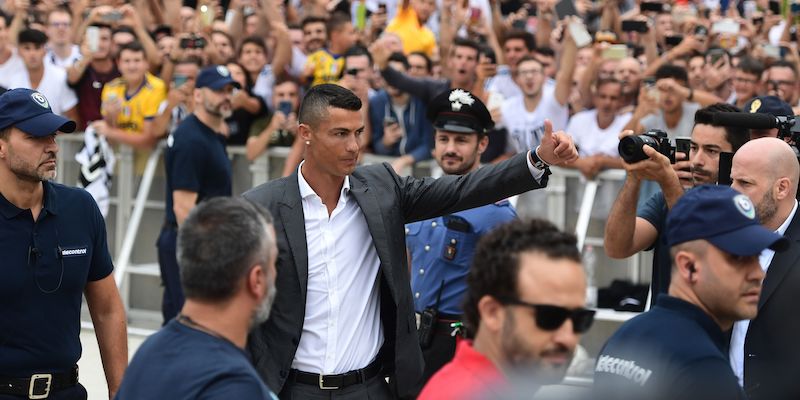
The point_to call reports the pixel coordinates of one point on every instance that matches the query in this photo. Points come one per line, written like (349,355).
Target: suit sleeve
(427,198)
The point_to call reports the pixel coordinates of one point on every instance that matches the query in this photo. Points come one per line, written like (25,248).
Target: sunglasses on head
(550,318)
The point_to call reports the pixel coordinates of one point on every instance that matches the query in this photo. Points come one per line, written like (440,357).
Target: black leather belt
(333,382)
(39,386)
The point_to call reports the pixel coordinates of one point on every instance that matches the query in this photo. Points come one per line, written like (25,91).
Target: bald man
(765,352)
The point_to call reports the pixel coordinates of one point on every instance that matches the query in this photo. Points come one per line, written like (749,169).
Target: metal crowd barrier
(137,207)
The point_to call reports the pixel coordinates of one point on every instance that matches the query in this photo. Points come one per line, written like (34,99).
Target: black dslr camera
(630,147)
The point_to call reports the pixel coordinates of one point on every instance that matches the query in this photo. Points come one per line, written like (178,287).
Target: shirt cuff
(536,173)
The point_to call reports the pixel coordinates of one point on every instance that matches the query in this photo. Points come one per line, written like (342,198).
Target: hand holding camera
(648,156)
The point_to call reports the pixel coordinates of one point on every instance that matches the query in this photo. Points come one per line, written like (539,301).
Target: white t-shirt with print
(525,129)
(590,138)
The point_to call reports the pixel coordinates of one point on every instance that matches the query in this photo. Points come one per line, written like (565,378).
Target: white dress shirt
(342,329)
(739,333)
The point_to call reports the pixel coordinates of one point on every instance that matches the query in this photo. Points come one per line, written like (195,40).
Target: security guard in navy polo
(54,251)
(441,248)
(678,349)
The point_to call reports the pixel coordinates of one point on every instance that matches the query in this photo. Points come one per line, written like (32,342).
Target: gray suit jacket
(772,344)
(388,202)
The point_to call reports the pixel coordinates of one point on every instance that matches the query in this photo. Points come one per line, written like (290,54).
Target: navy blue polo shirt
(39,308)
(673,351)
(180,362)
(655,212)
(196,161)
(441,252)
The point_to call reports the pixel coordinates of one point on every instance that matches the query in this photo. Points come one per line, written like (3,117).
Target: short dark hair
(525,36)
(358,50)
(399,57)
(735,135)
(545,51)
(336,22)
(495,265)
(606,81)
(672,71)
(319,98)
(528,58)
(462,42)
(254,40)
(784,64)
(751,66)
(132,46)
(34,36)
(218,243)
(123,29)
(313,20)
(428,62)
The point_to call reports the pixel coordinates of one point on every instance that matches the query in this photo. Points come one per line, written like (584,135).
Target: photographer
(626,234)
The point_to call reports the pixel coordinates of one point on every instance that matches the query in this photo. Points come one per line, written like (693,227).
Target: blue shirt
(196,161)
(179,362)
(655,212)
(418,138)
(45,268)
(441,253)
(673,351)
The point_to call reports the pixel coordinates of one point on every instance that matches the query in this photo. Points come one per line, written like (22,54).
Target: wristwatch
(538,163)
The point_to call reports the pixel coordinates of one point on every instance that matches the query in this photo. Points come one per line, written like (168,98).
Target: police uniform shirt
(196,161)
(180,362)
(673,351)
(46,266)
(441,251)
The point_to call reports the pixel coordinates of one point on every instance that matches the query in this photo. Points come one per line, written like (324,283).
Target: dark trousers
(372,389)
(77,392)
(440,352)
(170,273)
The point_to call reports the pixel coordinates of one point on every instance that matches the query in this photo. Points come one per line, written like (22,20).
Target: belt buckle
(322,384)
(34,379)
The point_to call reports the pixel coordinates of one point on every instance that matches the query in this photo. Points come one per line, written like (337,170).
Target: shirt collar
(785,225)
(307,191)
(9,210)
(696,314)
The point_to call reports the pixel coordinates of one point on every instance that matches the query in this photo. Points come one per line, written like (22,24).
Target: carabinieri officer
(441,248)
(53,248)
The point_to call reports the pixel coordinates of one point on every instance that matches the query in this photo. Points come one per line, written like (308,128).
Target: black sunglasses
(550,318)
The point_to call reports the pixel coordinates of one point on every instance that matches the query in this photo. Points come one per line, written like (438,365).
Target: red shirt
(469,374)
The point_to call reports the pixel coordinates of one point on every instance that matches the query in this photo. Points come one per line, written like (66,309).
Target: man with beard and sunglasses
(678,349)
(198,168)
(441,248)
(227,252)
(526,293)
(628,233)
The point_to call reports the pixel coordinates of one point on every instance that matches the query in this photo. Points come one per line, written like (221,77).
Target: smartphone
(673,40)
(652,90)
(285,107)
(726,26)
(565,8)
(178,80)
(634,26)
(112,16)
(683,145)
(520,24)
(206,15)
(775,7)
(715,54)
(615,52)
(474,15)
(700,31)
(725,162)
(579,34)
(93,38)
(490,54)
(651,6)
(771,51)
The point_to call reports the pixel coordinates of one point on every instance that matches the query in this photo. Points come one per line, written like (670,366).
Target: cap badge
(458,98)
(223,70)
(755,105)
(39,99)
(745,206)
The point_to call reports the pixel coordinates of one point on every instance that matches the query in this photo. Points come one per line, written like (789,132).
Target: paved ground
(91,368)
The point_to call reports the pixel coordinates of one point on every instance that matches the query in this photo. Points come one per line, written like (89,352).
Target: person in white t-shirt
(596,131)
(42,76)
(10,61)
(61,50)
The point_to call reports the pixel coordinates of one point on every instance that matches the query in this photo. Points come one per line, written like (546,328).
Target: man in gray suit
(343,319)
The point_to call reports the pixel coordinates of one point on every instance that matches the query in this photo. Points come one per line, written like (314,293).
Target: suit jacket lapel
(291,209)
(782,262)
(375,223)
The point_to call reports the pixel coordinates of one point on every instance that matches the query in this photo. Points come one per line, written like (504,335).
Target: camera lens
(630,148)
